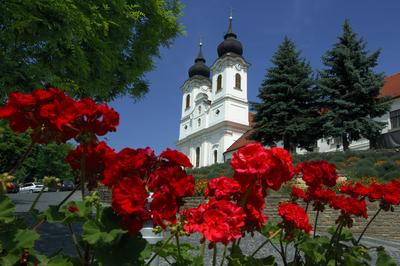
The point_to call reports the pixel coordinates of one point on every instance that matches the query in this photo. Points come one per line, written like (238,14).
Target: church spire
(199,68)
(200,56)
(230,44)
(230,32)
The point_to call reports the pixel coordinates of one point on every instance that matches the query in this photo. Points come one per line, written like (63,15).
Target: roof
(245,138)
(391,87)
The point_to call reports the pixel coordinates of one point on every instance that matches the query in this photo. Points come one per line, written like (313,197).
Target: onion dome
(230,43)
(199,68)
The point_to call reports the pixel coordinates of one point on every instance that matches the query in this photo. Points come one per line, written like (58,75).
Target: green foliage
(7,208)
(288,109)
(384,259)
(88,48)
(350,90)
(43,160)
(182,257)
(103,231)
(213,171)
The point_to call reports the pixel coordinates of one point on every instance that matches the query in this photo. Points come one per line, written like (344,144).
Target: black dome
(199,67)
(230,44)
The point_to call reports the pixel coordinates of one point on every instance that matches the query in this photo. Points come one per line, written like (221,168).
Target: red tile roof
(245,138)
(391,86)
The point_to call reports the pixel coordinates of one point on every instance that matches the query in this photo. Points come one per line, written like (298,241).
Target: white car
(32,187)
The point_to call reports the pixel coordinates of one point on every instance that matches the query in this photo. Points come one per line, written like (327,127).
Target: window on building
(187,101)
(238,81)
(199,122)
(199,109)
(197,156)
(215,156)
(395,119)
(219,83)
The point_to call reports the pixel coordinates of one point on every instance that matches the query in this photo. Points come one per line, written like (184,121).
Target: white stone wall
(361,144)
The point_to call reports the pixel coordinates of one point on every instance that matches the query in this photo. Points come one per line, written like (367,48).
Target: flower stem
(22,159)
(155,253)
(39,223)
(215,255)
(83,170)
(36,199)
(283,255)
(68,196)
(223,255)
(202,248)
(178,246)
(315,223)
(74,240)
(369,222)
(265,242)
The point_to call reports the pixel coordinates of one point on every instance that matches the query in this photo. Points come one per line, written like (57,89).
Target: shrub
(200,186)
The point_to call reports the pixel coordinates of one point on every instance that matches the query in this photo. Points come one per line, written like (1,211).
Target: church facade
(215,109)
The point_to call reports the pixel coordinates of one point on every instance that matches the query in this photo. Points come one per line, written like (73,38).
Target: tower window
(238,81)
(187,101)
(219,83)
(215,156)
(199,122)
(199,109)
(197,156)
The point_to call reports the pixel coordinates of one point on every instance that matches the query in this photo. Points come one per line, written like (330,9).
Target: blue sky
(260,25)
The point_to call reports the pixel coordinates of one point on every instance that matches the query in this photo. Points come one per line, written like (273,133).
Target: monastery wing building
(215,109)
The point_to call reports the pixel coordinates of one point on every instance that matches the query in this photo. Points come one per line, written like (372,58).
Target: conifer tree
(350,89)
(287,111)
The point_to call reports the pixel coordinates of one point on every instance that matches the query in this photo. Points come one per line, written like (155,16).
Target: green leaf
(352,260)
(126,250)
(58,260)
(346,235)
(25,238)
(269,228)
(384,259)
(53,214)
(7,208)
(82,212)
(312,249)
(95,234)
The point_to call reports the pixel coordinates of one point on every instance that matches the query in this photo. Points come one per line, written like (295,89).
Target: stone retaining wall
(385,226)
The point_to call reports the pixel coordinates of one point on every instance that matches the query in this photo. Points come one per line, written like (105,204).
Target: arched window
(197,156)
(219,83)
(188,101)
(215,156)
(238,81)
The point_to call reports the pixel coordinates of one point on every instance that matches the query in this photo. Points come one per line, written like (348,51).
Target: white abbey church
(215,110)
(215,119)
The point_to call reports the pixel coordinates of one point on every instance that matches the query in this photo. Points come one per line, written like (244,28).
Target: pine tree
(287,110)
(350,89)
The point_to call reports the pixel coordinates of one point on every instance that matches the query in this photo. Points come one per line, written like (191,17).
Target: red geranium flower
(176,157)
(316,173)
(251,159)
(223,188)
(350,206)
(218,221)
(294,217)
(129,196)
(72,208)
(281,168)
(96,157)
